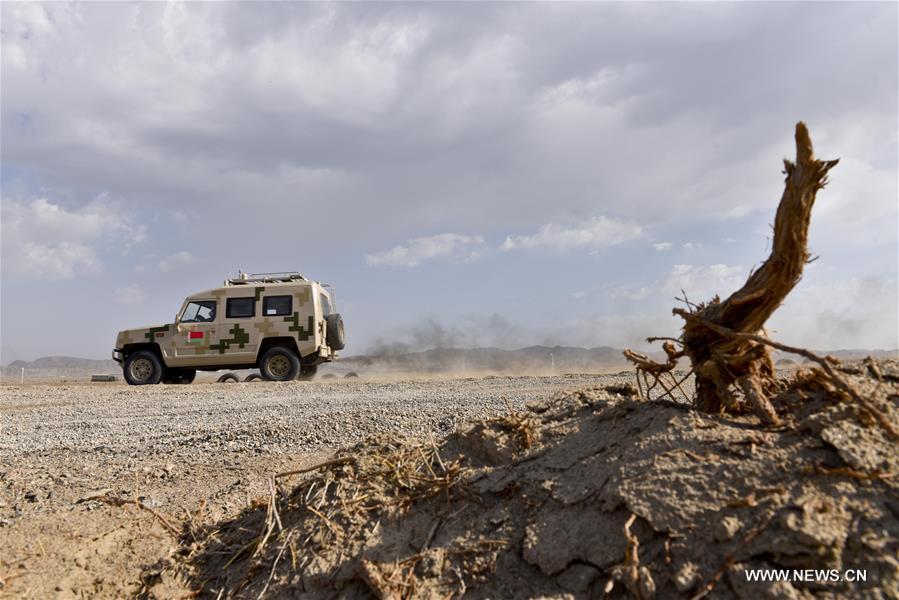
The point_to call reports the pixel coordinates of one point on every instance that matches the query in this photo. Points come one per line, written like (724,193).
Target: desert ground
(198,454)
(568,486)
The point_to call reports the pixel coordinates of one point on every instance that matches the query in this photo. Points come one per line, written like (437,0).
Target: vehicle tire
(180,376)
(228,378)
(253,377)
(335,338)
(142,368)
(279,364)
(307,372)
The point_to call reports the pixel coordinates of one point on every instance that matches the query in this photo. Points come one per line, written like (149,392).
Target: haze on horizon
(496,174)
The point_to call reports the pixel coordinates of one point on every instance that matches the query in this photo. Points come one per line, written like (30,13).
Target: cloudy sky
(463,174)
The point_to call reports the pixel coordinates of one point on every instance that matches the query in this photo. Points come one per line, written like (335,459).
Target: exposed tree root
(721,338)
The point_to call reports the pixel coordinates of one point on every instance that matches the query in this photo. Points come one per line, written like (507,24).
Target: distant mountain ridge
(61,362)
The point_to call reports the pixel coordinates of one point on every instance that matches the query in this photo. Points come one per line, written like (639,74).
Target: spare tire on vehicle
(335,338)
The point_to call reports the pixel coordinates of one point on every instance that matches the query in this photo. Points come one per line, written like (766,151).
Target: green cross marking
(239,337)
(303,334)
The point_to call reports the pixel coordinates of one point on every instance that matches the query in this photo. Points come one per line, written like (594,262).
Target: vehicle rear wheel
(179,375)
(279,364)
(142,368)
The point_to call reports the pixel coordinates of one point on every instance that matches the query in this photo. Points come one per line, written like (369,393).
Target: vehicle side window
(240,308)
(326,305)
(199,311)
(275,306)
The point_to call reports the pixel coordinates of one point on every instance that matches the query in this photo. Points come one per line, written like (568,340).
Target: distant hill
(59,367)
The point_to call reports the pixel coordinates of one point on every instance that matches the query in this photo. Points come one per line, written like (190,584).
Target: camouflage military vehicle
(281,323)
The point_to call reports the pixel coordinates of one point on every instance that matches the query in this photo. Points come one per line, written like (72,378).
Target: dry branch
(113,501)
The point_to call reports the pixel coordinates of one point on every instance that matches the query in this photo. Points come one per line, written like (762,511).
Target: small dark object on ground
(351,375)
(626,389)
(104,378)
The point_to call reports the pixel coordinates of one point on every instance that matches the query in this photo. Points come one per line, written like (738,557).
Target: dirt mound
(589,494)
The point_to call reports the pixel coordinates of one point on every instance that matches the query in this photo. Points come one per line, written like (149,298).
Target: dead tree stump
(722,362)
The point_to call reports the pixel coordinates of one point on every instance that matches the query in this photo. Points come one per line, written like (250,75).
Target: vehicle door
(197,333)
(238,335)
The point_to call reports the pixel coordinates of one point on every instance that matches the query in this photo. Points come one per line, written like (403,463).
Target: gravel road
(256,417)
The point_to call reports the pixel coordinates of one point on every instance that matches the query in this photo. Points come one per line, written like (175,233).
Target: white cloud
(691,245)
(418,250)
(578,294)
(700,283)
(45,240)
(177,261)
(598,232)
(54,262)
(132,295)
(662,246)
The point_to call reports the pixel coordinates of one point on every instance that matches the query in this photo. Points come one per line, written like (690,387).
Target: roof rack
(277,276)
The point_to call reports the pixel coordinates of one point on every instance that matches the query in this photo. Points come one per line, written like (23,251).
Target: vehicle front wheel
(279,364)
(142,368)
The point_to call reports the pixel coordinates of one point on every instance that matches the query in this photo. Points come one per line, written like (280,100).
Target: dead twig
(271,574)
(114,501)
(274,502)
(328,463)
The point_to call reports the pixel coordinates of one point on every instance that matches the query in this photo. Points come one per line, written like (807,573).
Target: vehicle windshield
(199,311)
